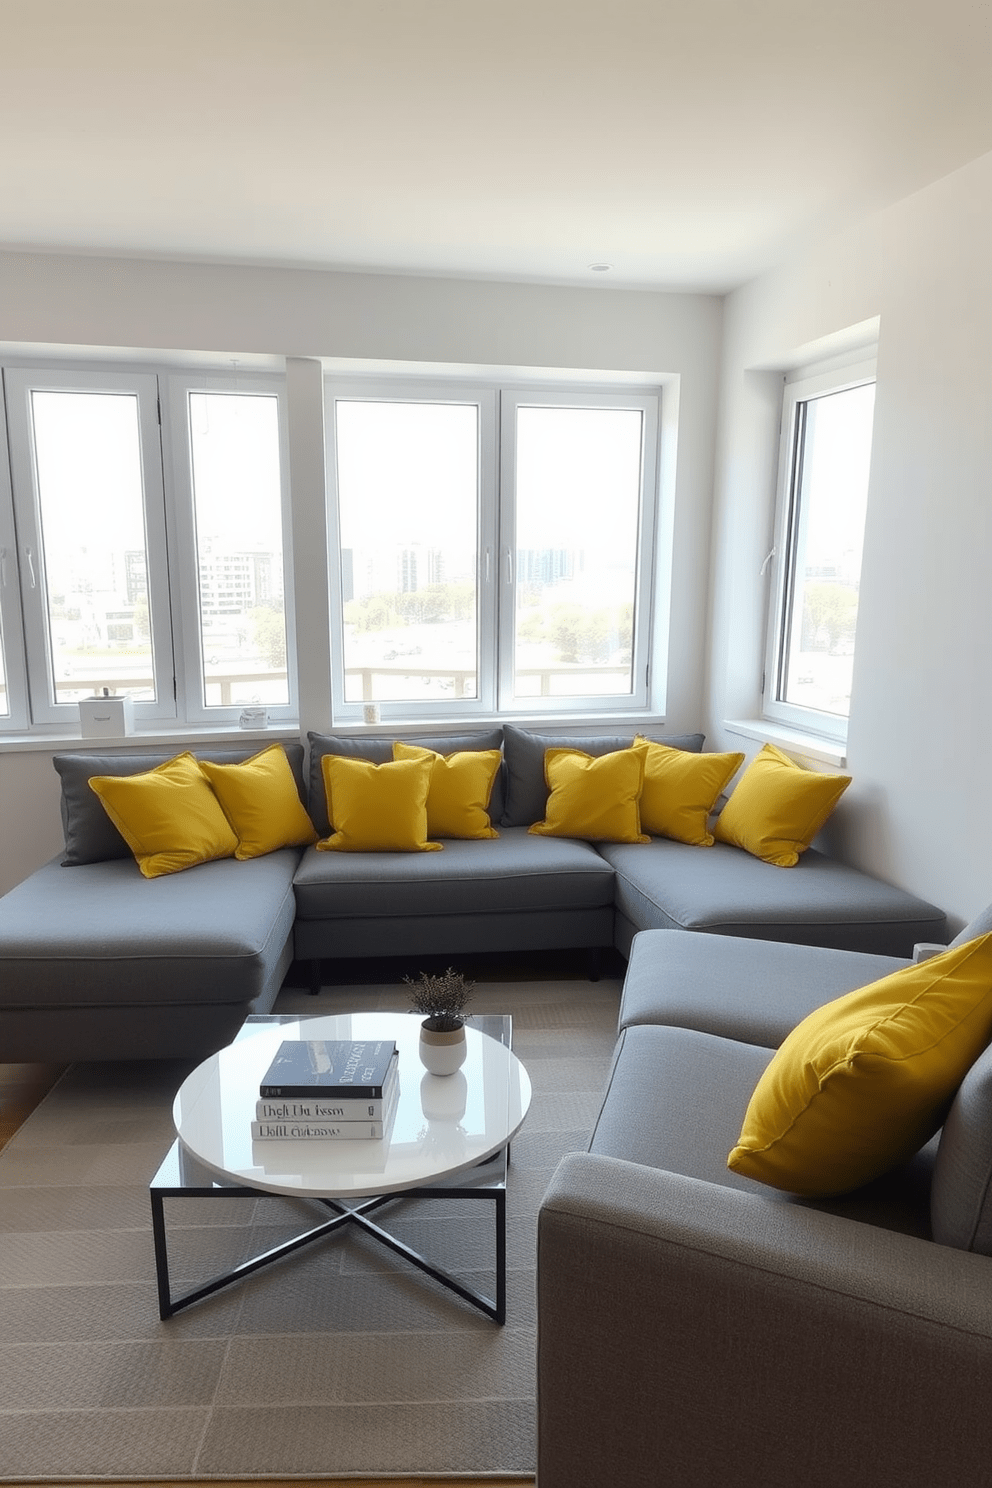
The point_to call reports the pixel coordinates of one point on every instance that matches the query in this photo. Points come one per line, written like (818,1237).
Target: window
(231,515)
(826,453)
(494,548)
(152,573)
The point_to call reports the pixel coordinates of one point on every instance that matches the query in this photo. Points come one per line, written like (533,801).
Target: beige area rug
(338,1361)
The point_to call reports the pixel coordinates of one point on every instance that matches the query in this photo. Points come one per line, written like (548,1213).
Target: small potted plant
(442,1001)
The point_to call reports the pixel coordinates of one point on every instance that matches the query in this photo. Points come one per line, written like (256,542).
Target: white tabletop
(443,1125)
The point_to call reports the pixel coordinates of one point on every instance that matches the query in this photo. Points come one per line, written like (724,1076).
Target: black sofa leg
(315,979)
(594,963)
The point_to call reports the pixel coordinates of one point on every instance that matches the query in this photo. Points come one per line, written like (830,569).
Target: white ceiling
(690,144)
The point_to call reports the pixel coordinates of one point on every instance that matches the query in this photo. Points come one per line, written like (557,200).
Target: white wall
(919,811)
(141,307)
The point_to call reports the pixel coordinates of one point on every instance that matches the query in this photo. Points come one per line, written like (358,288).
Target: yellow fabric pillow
(681,789)
(261,802)
(461,785)
(593,797)
(777,807)
(169,817)
(376,808)
(865,1081)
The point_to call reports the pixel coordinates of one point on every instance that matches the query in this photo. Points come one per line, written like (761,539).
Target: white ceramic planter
(442,1053)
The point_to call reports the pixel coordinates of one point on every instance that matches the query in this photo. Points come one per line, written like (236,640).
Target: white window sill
(793,741)
(143,739)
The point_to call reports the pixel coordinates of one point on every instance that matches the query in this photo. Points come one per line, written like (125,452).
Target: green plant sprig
(441,999)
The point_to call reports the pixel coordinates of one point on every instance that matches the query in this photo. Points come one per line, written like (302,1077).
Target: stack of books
(328,1089)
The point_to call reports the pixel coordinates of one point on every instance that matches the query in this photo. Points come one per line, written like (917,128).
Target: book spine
(320,1110)
(294,1131)
(320,1092)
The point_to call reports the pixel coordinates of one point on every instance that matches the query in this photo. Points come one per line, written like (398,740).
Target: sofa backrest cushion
(90,835)
(961,1193)
(379,751)
(523,754)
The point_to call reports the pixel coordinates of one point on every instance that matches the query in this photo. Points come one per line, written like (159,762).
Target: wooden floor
(22,1086)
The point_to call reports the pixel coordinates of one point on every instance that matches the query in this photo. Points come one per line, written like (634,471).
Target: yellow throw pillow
(595,798)
(376,808)
(169,817)
(681,789)
(865,1081)
(461,785)
(777,807)
(261,802)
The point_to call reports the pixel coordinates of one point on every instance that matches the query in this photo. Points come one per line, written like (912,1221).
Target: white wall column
(311,580)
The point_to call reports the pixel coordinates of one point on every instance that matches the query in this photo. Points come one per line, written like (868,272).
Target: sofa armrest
(700,1335)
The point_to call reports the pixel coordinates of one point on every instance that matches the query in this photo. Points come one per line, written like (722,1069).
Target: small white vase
(442,1053)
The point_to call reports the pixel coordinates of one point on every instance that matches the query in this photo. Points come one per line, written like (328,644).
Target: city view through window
(409,509)
(91,502)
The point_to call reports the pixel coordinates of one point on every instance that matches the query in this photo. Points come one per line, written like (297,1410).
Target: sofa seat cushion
(675,1100)
(101,934)
(668,886)
(754,991)
(514,871)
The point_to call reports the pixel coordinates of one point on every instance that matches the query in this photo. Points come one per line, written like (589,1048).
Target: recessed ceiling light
(601,268)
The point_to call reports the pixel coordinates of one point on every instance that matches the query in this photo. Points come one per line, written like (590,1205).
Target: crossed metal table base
(171,1181)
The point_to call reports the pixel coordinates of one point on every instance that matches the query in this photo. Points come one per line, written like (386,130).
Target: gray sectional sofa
(698,1328)
(98,962)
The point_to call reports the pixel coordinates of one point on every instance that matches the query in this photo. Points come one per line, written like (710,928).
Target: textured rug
(337,1361)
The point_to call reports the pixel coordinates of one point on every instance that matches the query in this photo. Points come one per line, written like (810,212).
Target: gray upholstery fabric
(980,925)
(379,751)
(676,1099)
(514,871)
(451,935)
(696,1335)
(961,1198)
(523,751)
(755,991)
(724,890)
(108,936)
(90,835)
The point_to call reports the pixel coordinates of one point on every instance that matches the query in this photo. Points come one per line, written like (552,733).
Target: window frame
(176,388)
(417,390)
(17,717)
(801,387)
(648,403)
(19,382)
(496,551)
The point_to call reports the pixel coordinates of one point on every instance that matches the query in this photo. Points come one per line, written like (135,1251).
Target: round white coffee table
(449,1136)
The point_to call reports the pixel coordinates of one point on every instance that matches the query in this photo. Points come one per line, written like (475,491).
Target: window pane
(237,498)
(578,492)
(88,461)
(408,495)
(831,474)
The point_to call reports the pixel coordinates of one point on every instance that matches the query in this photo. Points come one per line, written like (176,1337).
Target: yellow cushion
(461,785)
(260,800)
(864,1082)
(377,808)
(593,798)
(777,807)
(681,789)
(169,817)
